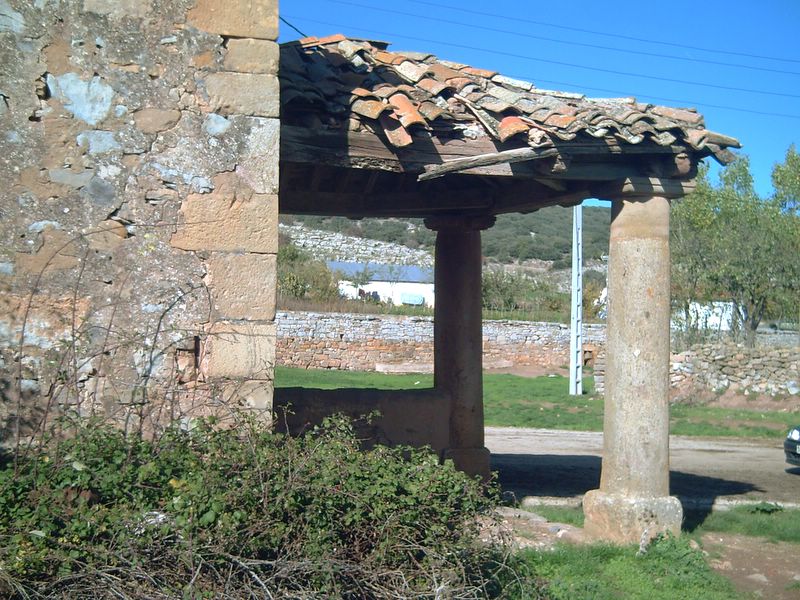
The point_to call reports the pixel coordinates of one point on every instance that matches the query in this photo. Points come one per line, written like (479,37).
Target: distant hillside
(543,235)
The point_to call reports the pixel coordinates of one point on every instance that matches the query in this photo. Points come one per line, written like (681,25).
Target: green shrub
(239,512)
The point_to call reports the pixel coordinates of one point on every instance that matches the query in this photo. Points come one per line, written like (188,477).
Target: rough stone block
(629,520)
(252,56)
(254,395)
(230,219)
(237,18)
(239,350)
(248,94)
(153,120)
(242,285)
(258,164)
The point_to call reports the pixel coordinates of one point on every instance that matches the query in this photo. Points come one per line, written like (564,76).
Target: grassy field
(669,569)
(512,401)
(767,520)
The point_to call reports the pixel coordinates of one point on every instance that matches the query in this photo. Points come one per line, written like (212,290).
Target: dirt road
(563,465)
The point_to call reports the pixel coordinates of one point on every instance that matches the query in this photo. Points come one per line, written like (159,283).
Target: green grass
(544,402)
(669,569)
(765,520)
(332,379)
(569,515)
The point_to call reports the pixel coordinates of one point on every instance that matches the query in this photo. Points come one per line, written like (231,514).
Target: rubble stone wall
(753,370)
(366,342)
(393,343)
(140,182)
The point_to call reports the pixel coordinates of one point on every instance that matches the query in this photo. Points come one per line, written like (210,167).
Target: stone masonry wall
(366,342)
(753,370)
(389,343)
(139,200)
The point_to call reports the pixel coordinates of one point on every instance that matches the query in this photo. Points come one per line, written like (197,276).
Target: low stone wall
(377,342)
(752,370)
(395,343)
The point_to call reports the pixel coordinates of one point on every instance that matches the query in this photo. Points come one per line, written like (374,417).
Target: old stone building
(142,159)
(140,169)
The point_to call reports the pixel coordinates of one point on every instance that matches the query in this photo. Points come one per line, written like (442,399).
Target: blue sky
(738,63)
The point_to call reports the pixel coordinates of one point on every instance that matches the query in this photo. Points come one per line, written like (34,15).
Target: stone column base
(628,520)
(473,461)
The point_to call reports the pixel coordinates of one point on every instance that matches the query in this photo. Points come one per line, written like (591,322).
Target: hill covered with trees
(543,235)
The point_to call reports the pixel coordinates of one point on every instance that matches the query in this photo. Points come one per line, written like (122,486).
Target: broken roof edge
(418,90)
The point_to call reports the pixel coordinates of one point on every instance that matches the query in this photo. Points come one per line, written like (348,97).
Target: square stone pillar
(458,336)
(236,225)
(633,501)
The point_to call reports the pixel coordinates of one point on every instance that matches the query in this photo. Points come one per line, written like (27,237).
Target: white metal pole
(576,321)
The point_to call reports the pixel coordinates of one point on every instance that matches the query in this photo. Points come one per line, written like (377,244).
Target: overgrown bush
(236,513)
(300,276)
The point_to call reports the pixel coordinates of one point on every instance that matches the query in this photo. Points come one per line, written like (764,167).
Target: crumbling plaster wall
(139,205)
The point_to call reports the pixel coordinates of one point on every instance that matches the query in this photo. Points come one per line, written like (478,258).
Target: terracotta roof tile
(406,111)
(360,81)
(394,130)
(432,86)
(511,126)
(562,121)
(441,72)
(479,72)
(459,83)
(510,81)
(371,109)
(411,71)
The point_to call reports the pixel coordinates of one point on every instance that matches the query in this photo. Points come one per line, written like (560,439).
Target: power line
(579,86)
(518,19)
(567,64)
(661,98)
(292,26)
(561,41)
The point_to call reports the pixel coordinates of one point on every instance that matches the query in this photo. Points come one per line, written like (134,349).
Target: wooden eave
(359,174)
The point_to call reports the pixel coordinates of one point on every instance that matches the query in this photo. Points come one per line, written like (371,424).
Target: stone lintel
(644,187)
(630,520)
(473,461)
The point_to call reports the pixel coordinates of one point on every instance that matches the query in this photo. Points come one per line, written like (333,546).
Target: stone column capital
(459,222)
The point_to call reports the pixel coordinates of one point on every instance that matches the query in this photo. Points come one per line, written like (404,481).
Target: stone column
(458,336)
(633,502)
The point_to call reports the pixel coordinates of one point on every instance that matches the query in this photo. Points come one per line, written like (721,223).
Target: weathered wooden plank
(485,160)
(381,204)
(356,149)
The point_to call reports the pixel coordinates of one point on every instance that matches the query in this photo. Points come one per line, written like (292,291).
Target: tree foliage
(300,276)
(730,244)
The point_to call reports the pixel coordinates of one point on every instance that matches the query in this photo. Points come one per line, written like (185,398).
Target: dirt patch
(733,399)
(688,393)
(756,566)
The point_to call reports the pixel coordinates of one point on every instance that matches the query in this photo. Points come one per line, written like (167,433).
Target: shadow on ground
(571,476)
